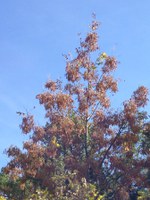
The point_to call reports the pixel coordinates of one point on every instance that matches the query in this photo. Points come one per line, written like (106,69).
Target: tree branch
(118,134)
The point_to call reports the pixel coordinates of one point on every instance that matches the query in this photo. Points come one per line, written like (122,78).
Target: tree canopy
(87,149)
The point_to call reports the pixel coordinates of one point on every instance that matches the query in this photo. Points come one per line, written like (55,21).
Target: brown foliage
(82,131)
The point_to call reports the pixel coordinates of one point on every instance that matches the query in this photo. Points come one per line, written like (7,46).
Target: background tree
(83,132)
(11,189)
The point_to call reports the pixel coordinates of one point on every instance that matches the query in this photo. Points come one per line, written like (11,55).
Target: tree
(11,189)
(83,132)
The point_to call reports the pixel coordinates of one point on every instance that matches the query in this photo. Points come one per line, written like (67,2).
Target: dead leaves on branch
(82,132)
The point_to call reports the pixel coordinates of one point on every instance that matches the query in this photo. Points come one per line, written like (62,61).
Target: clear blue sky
(35,33)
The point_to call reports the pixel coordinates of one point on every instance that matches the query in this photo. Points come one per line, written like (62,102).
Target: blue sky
(35,33)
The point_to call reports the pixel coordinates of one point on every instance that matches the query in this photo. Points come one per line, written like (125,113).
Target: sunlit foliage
(84,133)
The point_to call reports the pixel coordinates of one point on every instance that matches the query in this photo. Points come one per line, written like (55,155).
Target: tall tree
(83,132)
